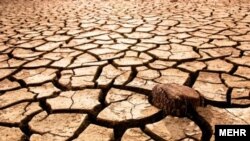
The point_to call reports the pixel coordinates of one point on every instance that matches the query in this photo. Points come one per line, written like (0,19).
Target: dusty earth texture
(83,70)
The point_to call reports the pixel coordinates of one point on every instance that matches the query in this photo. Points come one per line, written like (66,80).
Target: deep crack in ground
(83,69)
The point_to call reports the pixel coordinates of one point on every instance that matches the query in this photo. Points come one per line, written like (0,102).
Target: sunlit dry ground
(82,69)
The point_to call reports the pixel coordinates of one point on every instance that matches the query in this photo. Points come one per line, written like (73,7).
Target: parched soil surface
(83,70)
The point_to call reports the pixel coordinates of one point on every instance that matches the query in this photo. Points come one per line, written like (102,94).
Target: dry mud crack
(84,69)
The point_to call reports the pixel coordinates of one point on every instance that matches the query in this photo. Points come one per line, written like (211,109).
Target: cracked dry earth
(82,70)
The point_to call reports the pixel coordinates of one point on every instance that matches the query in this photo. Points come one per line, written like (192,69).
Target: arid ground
(82,70)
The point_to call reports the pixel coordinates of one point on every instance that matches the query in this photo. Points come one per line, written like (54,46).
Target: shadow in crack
(202,123)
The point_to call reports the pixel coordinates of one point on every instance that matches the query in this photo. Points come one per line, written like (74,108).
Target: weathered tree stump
(175,99)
